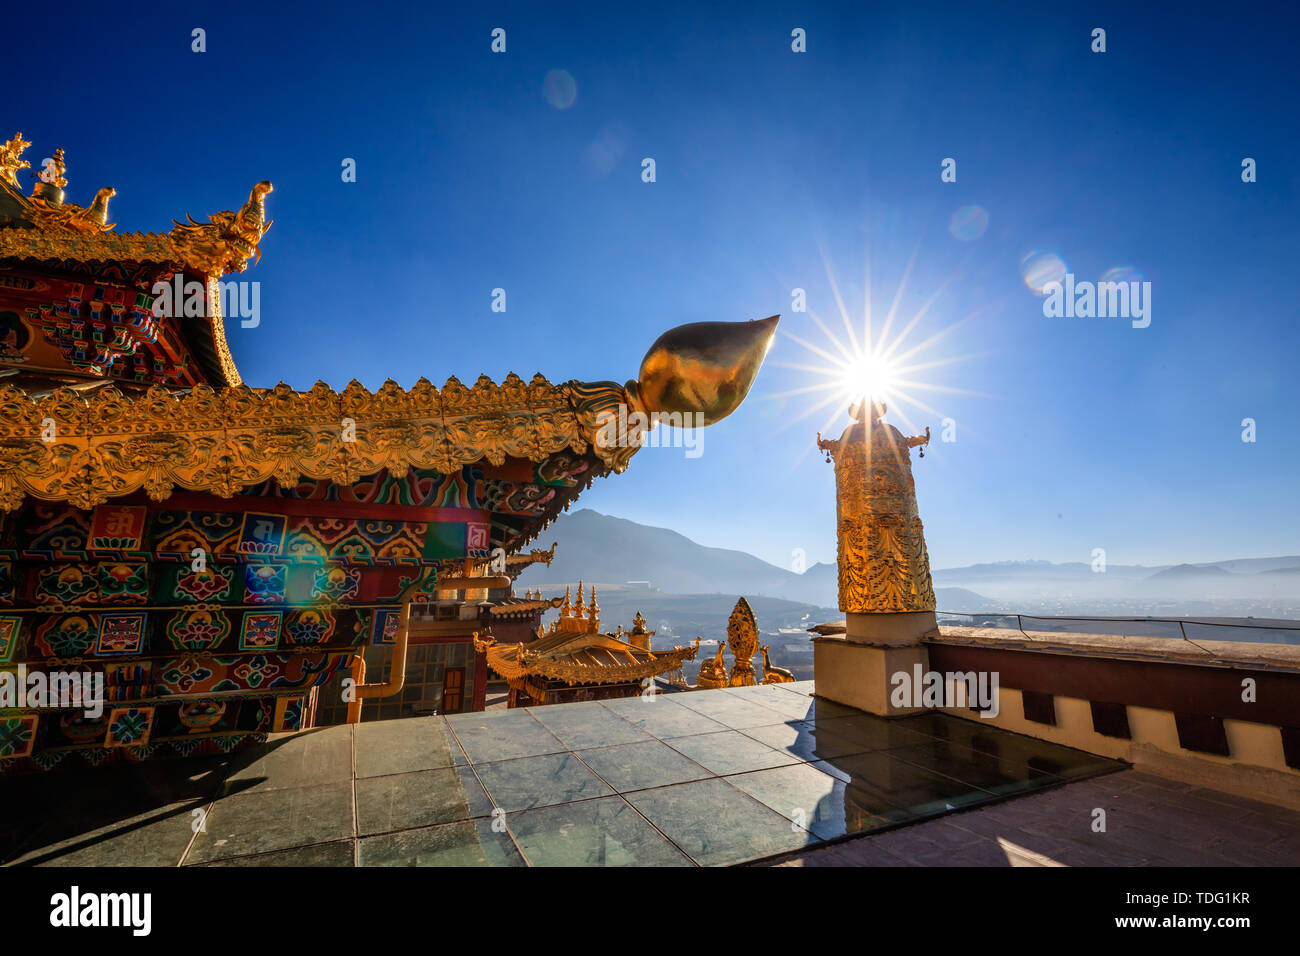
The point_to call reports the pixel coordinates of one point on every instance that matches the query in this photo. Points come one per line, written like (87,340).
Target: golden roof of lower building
(582,659)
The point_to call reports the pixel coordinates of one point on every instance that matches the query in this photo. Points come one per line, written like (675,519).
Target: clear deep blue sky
(1072,433)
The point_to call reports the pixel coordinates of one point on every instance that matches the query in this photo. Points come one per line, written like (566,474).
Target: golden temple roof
(517,605)
(582,659)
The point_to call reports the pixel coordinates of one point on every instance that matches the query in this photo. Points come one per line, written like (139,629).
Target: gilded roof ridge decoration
(43,226)
(86,448)
(517,661)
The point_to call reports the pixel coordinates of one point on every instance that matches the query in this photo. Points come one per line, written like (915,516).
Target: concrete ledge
(1282,657)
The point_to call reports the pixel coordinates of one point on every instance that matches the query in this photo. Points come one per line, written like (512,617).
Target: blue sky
(772,168)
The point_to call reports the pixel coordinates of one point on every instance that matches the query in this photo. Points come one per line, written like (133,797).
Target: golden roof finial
(10,162)
(227,240)
(60,169)
(742,637)
(566,608)
(704,367)
(51,180)
(594,610)
(580,609)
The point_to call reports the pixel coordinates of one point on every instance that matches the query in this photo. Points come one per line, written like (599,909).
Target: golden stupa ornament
(883,562)
(742,638)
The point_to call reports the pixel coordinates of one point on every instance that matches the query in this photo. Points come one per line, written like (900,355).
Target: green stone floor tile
(583,725)
(727,708)
(1041,755)
(503,735)
(603,832)
(715,824)
(822,803)
(639,766)
(662,718)
(792,706)
(404,801)
(469,843)
(804,739)
(863,732)
(1003,776)
(320,755)
(907,786)
(274,820)
(528,782)
(157,837)
(402,746)
(336,854)
(730,751)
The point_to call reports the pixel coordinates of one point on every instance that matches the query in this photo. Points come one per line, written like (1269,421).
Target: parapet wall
(1223,714)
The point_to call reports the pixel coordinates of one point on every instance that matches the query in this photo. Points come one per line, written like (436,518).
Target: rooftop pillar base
(855,669)
(889,629)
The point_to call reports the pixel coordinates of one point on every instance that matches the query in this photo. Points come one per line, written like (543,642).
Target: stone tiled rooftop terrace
(707,777)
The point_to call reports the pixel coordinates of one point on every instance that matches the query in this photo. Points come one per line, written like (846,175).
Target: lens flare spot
(968,223)
(560,89)
(1038,268)
(1122,274)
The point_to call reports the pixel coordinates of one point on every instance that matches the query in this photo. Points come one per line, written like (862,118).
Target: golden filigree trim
(85,449)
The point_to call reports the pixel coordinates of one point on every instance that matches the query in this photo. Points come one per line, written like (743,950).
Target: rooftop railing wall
(1187,629)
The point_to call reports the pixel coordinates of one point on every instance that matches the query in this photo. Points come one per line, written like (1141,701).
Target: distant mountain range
(622,555)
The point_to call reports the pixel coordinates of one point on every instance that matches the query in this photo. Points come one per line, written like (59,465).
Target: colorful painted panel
(121,583)
(264,583)
(120,633)
(262,534)
(17,735)
(289,713)
(261,630)
(117,527)
(129,726)
(10,628)
(198,630)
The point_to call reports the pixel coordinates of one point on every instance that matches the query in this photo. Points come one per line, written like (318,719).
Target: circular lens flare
(1039,269)
(968,223)
(560,89)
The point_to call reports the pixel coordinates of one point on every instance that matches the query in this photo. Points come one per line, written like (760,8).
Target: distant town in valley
(686,590)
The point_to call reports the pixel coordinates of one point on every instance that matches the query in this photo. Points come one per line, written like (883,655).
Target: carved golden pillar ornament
(742,638)
(883,563)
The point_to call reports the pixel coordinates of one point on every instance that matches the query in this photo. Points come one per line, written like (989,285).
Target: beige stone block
(858,675)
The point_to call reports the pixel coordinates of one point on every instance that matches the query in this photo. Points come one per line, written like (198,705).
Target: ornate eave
(85,449)
(523,607)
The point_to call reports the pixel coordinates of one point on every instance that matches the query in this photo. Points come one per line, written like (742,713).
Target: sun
(868,375)
(880,361)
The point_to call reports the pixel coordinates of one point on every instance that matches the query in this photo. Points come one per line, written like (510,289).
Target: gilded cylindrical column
(883,563)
